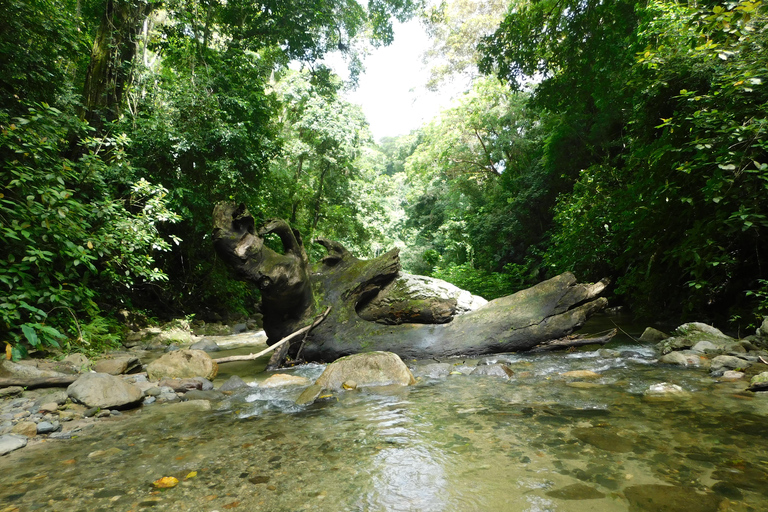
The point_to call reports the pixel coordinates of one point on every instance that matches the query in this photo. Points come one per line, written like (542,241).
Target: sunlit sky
(392,92)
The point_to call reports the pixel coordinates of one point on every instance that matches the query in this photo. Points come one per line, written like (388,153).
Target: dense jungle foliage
(623,138)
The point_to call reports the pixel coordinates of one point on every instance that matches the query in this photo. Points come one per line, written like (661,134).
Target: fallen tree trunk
(378,307)
(574,341)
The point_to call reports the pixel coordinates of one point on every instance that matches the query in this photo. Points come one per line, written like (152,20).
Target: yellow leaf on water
(192,474)
(166,482)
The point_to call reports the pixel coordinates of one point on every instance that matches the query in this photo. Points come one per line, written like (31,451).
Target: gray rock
(439,301)
(118,365)
(309,395)
(49,407)
(233,383)
(707,347)
(10,369)
(103,390)
(148,400)
(60,435)
(182,364)
(683,358)
(78,361)
(46,427)
(172,347)
(731,375)
(153,391)
(728,363)
(494,370)
(184,385)
(174,335)
(435,370)
(239,328)
(762,331)
(206,345)
(759,382)
(496,359)
(688,335)
(11,391)
(665,389)
(197,394)
(366,369)
(10,442)
(168,397)
(651,335)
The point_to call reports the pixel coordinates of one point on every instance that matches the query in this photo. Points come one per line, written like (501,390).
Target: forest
(618,138)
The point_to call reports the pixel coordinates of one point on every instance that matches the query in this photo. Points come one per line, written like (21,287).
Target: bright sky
(392,91)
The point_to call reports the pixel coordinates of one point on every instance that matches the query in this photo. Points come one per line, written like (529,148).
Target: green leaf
(30,334)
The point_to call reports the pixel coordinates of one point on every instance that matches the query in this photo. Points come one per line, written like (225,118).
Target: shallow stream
(539,442)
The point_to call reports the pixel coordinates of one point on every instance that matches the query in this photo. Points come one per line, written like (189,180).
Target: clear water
(540,442)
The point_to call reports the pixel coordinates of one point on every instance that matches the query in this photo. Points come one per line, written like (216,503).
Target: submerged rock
(309,395)
(367,369)
(281,380)
(669,498)
(104,391)
(233,383)
(206,345)
(603,439)
(665,389)
(580,374)
(434,370)
(494,370)
(576,492)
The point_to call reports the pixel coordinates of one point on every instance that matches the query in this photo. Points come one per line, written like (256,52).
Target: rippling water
(540,442)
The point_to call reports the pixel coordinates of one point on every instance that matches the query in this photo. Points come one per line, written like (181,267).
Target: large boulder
(366,369)
(182,364)
(688,335)
(419,299)
(104,391)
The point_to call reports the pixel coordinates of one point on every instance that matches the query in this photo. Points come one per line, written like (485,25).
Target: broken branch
(277,345)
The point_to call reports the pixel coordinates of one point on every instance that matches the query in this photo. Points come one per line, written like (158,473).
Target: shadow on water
(539,442)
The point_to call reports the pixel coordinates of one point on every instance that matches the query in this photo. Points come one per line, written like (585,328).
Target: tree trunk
(402,321)
(109,69)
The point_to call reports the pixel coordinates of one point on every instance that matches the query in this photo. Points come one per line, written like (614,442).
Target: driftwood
(575,341)
(371,310)
(251,357)
(38,382)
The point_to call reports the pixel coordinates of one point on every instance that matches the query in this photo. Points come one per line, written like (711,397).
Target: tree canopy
(619,139)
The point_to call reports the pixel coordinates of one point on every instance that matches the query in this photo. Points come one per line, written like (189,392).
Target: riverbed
(541,441)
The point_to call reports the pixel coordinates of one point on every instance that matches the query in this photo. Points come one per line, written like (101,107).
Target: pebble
(49,407)
(46,427)
(25,428)
(60,435)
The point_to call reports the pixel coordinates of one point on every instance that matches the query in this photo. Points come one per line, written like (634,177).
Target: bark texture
(370,312)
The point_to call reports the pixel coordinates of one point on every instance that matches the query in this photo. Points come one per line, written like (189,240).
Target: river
(538,442)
